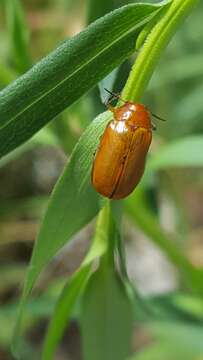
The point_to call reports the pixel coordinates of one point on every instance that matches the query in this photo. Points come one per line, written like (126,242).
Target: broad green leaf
(72,205)
(107,317)
(63,310)
(74,287)
(73,202)
(180,153)
(69,72)
(19,34)
(106,309)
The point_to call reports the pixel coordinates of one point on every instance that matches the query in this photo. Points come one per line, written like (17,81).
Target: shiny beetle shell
(120,159)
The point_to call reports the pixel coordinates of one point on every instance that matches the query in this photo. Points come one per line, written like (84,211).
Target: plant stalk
(152,49)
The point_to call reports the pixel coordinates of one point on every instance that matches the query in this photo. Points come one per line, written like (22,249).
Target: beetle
(120,158)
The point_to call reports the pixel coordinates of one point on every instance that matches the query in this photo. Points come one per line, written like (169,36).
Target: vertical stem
(156,42)
(109,225)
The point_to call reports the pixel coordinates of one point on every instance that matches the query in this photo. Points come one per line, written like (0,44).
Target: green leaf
(93,13)
(107,317)
(74,287)
(148,28)
(180,153)
(72,205)
(102,8)
(64,310)
(153,48)
(73,202)
(19,34)
(69,72)
(107,302)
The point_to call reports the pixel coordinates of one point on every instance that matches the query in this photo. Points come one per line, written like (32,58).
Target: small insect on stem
(120,158)
(112,97)
(117,96)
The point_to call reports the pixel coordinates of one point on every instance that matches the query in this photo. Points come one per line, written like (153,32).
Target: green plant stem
(108,225)
(147,60)
(137,82)
(144,67)
(152,49)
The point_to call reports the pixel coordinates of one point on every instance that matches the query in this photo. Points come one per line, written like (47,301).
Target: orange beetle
(120,159)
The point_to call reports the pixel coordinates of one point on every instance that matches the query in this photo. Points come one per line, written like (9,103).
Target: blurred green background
(28,31)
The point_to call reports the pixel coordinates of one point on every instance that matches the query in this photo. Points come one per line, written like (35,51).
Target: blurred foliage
(167,326)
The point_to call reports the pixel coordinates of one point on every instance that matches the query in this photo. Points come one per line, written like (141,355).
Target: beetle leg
(110,107)
(153,126)
(94,152)
(111,98)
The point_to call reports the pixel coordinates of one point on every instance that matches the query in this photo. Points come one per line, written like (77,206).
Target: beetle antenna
(113,96)
(112,93)
(158,117)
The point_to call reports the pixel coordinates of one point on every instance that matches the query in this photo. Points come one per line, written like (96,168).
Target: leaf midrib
(77,70)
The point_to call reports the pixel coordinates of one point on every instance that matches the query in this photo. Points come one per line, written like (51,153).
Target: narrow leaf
(73,202)
(19,34)
(63,310)
(69,72)
(102,8)
(73,289)
(106,317)
(72,205)
(93,13)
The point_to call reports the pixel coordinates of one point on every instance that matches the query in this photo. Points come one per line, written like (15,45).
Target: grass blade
(73,289)
(69,72)
(72,205)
